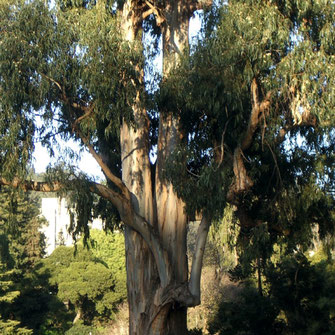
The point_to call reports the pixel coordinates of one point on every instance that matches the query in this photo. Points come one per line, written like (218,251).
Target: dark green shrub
(248,314)
(81,329)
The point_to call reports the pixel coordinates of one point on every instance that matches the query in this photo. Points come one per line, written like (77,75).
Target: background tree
(73,277)
(8,294)
(22,246)
(109,248)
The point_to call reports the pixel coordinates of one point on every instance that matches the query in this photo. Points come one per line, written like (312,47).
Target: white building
(56,213)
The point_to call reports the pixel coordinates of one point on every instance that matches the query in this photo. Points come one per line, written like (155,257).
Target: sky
(87,163)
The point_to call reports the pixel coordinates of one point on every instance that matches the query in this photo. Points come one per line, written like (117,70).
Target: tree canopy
(245,119)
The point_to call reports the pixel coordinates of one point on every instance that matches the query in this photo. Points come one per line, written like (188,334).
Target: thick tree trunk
(154,304)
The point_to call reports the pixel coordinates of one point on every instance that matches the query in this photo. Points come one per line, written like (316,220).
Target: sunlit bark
(157,270)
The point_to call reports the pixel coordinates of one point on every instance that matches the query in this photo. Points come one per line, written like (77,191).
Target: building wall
(56,232)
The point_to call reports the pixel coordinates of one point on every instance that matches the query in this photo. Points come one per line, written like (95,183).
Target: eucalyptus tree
(220,124)
(81,63)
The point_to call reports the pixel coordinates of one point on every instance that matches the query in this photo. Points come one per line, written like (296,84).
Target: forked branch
(87,111)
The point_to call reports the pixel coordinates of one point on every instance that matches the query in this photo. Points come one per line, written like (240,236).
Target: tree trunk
(153,306)
(78,316)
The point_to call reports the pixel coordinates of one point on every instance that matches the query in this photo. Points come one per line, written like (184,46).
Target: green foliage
(22,246)
(73,276)
(11,327)
(109,247)
(71,64)
(58,66)
(249,313)
(81,329)
(19,225)
(298,299)
(260,41)
(221,245)
(281,48)
(76,52)
(8,294)
(304,292)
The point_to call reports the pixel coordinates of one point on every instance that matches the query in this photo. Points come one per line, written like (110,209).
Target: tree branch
(127,214)
(188,294)
(151,237)
(27,185)
(242,181)
(199,4)
(87,111)
(195,277)
(64,97)
(140,225)
(111,176)
(154,10)
(122,201)
(258,109)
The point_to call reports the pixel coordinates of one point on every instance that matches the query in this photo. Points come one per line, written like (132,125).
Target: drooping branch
(63,95)
(30,185)
(86,112)
(122,201)
(132,219)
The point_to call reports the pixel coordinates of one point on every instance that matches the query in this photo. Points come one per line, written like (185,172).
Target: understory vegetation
(286,292)
(75,290)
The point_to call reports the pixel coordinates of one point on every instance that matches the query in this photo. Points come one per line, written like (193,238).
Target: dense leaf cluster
(21,248)
(298,300)
(275,53)
(72,274)
(59,66)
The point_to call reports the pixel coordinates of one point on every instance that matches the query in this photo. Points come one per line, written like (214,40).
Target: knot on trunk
(176,293)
